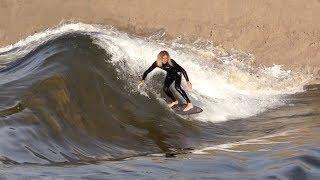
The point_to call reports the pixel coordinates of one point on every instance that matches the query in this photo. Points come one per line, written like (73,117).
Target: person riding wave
(174,71)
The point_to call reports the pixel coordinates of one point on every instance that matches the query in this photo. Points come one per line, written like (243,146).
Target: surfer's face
(164,59)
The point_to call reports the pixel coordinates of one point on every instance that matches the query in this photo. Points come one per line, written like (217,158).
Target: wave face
(69,94)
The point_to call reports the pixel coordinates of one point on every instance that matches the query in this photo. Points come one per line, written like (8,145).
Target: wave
(69,94)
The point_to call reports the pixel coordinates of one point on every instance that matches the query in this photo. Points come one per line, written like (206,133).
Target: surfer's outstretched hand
(189,85)
(140,83)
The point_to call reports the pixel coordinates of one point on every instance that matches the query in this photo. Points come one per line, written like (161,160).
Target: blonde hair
(160,55)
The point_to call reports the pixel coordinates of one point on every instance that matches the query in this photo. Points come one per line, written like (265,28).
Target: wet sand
(281,32)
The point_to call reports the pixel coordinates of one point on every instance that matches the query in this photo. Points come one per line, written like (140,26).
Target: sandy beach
(276,32)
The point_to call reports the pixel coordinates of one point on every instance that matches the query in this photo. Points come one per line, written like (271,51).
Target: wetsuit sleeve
(181,70)
(154,65)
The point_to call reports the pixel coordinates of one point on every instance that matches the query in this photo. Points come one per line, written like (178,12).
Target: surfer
(174,71)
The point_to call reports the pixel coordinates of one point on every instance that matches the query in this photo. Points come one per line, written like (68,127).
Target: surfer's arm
(154,65)
(181,70)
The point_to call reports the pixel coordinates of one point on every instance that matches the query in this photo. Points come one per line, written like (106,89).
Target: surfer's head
(163,58)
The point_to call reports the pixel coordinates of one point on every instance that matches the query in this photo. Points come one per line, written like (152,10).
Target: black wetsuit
(173,74)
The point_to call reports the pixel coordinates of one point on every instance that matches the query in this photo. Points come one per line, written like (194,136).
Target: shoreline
(285,33)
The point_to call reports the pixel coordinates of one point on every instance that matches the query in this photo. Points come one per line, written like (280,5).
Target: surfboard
(179,109)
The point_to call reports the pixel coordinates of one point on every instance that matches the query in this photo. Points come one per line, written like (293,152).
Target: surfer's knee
(177,87)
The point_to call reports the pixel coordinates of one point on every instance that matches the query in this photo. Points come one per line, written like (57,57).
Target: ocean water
(70,109)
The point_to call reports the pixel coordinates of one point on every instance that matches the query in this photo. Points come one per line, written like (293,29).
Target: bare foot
(173,103)
(189,106)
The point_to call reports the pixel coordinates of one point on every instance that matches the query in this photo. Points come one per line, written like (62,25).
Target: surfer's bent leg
(177,84)
(166,88)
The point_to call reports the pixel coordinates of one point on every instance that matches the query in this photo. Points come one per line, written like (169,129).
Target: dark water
(66,112)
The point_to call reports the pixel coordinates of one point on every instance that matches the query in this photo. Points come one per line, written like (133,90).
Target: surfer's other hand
(140,83)
(189,85)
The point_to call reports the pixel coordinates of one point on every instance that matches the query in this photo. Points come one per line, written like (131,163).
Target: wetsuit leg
(166,88)
(177,84)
